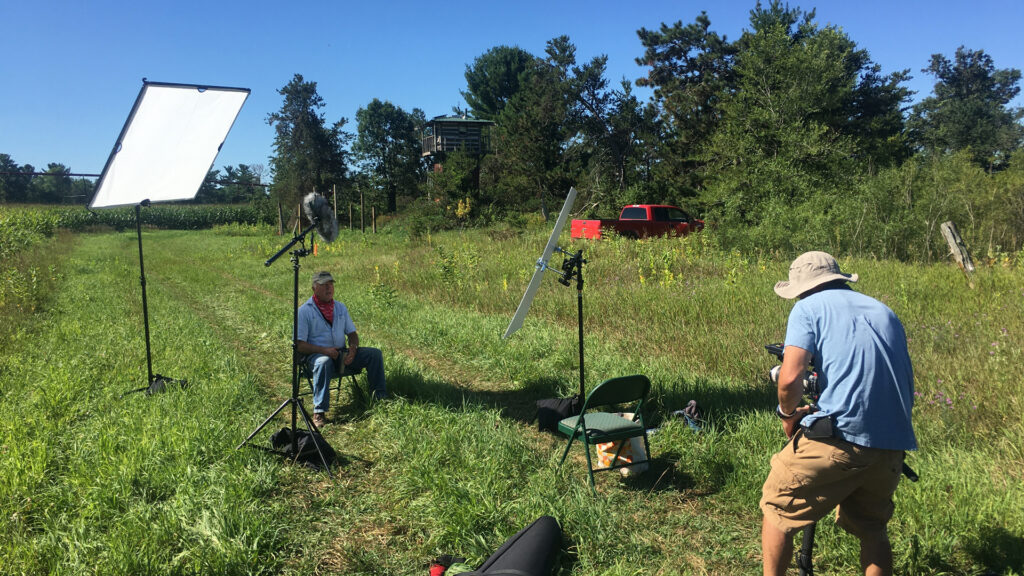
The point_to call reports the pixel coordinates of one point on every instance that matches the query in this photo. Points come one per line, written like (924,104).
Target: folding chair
(600,427)
(346,372)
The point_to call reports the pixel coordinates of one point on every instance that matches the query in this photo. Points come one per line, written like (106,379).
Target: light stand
(295,400)
(572,267)
(155,382)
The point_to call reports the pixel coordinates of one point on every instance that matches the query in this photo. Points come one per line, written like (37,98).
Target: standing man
(848,450)
(324,325)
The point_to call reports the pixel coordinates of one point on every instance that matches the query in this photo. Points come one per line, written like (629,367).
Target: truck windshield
(634,213)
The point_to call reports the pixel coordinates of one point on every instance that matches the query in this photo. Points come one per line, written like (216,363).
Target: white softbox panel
(169,143)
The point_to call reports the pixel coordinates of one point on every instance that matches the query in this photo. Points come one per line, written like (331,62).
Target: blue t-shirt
(864,371)
(314,329)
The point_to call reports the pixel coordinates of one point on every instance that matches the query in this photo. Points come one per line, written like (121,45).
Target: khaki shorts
(810,477)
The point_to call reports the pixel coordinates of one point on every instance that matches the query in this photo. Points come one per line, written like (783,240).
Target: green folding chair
(346,372)
(599,427)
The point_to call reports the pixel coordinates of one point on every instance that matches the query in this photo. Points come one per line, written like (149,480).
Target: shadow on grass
(713,399)
(998,550)
(662,475)
(521,403)
(518,404)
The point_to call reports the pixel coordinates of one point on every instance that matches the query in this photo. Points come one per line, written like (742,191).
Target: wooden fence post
(958,250)
(373,218)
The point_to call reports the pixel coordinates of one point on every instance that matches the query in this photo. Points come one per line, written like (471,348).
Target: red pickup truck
(640,221)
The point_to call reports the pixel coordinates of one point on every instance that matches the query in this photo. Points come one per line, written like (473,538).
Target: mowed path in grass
(154,484)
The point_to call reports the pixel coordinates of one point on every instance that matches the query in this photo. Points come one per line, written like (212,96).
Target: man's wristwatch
(783,415)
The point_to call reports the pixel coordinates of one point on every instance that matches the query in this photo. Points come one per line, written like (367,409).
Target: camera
(810,376)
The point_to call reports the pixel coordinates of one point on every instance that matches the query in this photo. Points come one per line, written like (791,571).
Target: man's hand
(353,345)
(790,425)
(305,349)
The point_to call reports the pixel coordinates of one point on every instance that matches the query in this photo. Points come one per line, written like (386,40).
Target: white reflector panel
(168,144)
(542,264)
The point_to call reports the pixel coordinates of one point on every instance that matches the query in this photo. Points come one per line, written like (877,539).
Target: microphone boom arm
(296,239)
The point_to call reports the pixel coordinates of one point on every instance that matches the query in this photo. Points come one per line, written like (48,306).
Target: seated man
(324,325)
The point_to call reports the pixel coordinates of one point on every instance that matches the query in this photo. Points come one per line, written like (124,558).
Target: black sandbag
(307,442)
(530,552)
(551,411)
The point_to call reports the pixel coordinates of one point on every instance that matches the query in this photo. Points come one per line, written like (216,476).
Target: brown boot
(319,420)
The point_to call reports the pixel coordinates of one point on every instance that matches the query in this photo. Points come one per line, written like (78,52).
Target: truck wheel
(630,235)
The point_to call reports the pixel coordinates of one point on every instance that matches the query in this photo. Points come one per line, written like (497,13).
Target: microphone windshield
(320,213)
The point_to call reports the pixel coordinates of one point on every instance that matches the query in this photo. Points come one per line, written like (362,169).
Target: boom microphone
(319,212)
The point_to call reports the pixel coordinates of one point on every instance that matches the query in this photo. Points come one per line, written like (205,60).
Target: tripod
(295,401)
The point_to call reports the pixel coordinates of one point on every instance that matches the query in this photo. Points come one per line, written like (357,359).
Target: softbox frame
(168,144)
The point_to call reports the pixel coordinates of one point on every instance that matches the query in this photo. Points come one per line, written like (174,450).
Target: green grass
(91,482)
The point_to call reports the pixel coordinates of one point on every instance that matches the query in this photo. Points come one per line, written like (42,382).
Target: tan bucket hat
(810,270)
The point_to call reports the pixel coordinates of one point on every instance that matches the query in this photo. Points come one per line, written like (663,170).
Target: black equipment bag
(551,411)
(530,552)
(307,442)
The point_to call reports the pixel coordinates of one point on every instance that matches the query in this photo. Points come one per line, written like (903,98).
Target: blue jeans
(324,370)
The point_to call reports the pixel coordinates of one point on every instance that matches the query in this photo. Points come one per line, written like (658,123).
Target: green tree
(538,157)
(210,190)
(51,188)
(9,183)
(242,184)
(969,109)
(613,124)
(494,78)
(82,190)
(875,116)
(690,69)
(456,180)
(783,153)
(388,147)
(14,183)
(308,154)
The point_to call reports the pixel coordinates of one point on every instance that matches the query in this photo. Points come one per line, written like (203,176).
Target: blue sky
(70,70)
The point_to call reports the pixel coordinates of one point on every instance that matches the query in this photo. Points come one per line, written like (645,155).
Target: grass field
(93,482)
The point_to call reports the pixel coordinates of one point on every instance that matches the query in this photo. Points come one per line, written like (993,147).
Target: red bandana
(327,309)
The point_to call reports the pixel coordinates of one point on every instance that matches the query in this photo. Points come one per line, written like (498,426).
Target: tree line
(58,185)
(786,138)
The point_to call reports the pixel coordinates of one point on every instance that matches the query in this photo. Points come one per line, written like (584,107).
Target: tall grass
(90,482)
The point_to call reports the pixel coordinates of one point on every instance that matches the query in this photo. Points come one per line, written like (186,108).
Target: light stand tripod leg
(265,422)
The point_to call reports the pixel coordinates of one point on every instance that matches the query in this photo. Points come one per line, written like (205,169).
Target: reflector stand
(156,382)
(165,149)
(572,268)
